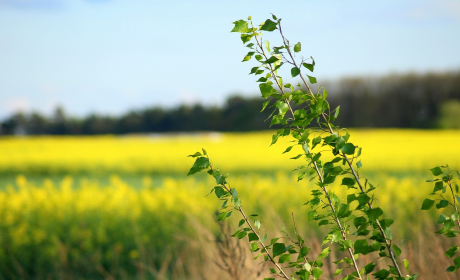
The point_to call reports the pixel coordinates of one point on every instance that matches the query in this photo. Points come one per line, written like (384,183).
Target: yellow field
(383,150)
(82,228)
(79,228)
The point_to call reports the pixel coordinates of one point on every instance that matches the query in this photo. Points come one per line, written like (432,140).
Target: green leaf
(267,90)
(303,252)
(374,214)
(264,238)
(242,221)
(252,237)
(324,253)
(288,149)
(223,215)
(406,265)
(268,25)
(241,26)
(348,182)
(369,267)
(220,192)
(254,247)
(452,250)
(343,211)
(381,274)
(427,204)
(242,234)
(297,47)
(197,154)
(437,186)
(271,60)
(348,149)
(397,250)
(246,38)
(436,171)
(308,66)
(457,262)
(278,249)
(361,247)
(359,164)
(316,272)
(200,164)
(257,224)
(295,71)
(312,79)
(442,204)
(338,271)
(284,258)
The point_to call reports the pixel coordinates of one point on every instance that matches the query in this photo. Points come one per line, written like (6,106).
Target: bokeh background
(102,100)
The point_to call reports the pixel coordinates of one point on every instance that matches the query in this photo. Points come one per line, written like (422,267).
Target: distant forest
(400,101)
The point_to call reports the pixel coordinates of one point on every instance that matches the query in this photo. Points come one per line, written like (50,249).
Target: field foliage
(82,227)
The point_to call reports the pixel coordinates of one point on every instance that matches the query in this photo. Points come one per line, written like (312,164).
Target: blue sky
(109,56)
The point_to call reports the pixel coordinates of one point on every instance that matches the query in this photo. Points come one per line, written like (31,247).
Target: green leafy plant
(356,226)
(445,194)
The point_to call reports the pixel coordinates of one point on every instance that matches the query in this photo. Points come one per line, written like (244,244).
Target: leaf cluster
(355,225)
(445,194)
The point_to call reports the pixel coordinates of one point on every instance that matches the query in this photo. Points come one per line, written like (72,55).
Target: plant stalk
(283,274)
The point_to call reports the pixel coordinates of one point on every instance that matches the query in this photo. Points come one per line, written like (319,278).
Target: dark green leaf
(308,66)
(278,249)
(437,186)
(427,204)
(442,204)
(369,267)
(374,214)
(200,164)
(457,262)
(436,171)
(268,25)
(295,71)
(452,250)
(361,247)
(220,192)
(343,211)
(288,149)
(381,274)
(348,181)
(242,221)
(348,149)
(303,252)
(197,154)
(271,60)
(252,237)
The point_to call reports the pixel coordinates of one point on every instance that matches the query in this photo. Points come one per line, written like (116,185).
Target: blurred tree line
(404,101)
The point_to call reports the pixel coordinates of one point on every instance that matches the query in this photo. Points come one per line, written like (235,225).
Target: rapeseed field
(80,227)
(383,150)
